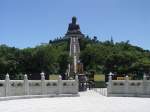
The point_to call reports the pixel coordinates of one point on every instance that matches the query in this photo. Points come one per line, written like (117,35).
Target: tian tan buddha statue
(73,27)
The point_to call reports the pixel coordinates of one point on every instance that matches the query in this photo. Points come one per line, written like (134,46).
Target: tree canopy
(53,58)
(120,57)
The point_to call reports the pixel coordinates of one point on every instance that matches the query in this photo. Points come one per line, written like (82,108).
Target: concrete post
(7,85)
(60,85)
(126,84)
(77,83)
(43,85)
(144,84)
(109,85)
(26,85)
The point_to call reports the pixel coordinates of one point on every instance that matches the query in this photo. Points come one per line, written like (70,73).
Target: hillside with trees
(53,58)
(119,58)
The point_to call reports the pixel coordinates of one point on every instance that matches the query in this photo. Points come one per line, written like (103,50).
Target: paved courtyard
(89,101)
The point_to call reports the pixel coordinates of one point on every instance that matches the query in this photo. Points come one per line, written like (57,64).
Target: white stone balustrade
(128,87)
(37,87)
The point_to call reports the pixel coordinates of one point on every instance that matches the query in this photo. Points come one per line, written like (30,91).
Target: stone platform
(89,101)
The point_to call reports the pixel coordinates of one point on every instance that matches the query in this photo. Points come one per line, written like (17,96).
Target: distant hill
(53,58)
(119,58)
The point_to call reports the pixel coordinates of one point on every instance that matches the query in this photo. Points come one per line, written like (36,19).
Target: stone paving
(90,101)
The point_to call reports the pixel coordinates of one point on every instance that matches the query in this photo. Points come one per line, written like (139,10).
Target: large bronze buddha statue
(73,28)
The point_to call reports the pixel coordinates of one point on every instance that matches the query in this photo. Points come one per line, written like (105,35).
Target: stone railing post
(126,84)
(144,84)
(7,85)
(60,85)
(109,85)
(26,85)
(77,83)
(43,85)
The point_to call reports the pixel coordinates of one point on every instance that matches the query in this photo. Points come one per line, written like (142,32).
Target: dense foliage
(53,58)
(50,58)
(119,58)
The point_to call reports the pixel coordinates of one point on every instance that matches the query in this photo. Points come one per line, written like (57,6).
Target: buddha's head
(74,19)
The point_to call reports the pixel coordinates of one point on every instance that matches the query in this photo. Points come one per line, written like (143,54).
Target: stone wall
(37,87)
(128,87)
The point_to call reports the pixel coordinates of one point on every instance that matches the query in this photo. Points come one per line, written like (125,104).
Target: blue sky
(27,23)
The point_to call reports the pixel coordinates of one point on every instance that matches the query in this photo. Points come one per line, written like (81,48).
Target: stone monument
(74,34)
(74,28)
